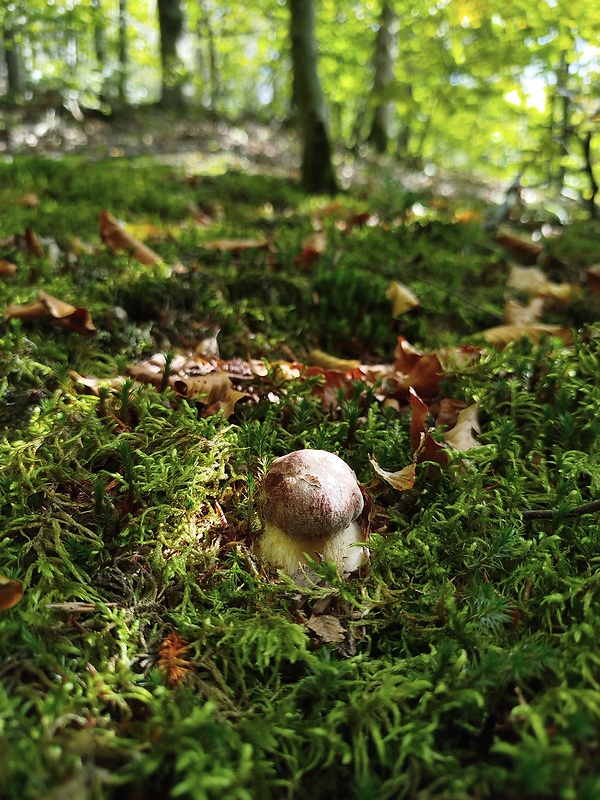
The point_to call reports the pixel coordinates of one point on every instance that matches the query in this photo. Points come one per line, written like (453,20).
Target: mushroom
(310,502)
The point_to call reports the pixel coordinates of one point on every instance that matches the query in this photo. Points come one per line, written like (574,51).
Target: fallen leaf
(401,480)
(7,268)
(424,377)
(327,627)
(403,299)
(29,200)
(427,447)
(449,411)
(235,245)
(533,282)
(502,335)
(593,278)
(321,359)
(117,238)
(212,386)
(33,244)
(405,355)
(313,248)
(77,320)
(516,314)
(10,592)
(462,436)
(525,250)
(224,403)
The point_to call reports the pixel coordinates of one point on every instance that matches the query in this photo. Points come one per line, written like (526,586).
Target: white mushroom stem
(310,503)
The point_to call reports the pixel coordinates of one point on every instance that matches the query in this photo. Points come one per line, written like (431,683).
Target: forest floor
(177,314)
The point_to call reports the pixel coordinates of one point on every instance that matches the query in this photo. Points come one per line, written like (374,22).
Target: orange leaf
(6,268)
(117,238)
(77,320)
(525,250)
(405,355)
(429,449)
(10,592)
(593,278)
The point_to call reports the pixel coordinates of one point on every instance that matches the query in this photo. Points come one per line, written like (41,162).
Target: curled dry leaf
(401,480)
(7,269)
(235,245)
(77,320)
(525,250)
(449,411)
(592,275)
(463,434)
(10,592)
(533,282)
(327,627)
(321,359)
(117,238)
(403,299)
(516,314)
(427,447)
(312,248)
(33,244)
(29,200)
(502,335)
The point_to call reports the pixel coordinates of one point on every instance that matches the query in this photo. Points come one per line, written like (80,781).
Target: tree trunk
(15,75)
(318,176)
(123,59)
(170,23)
(383,60)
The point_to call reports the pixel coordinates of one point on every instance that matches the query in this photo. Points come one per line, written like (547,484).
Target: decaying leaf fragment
(403,299)
(7,269)
(77,320)
(321,359)
(463,434)
(327,627)
(502,335)
(117,239)
(516,314)
(592,275)
(235,246)
(10,592)
(534,283)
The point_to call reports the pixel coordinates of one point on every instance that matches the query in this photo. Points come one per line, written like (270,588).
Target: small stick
(548,513)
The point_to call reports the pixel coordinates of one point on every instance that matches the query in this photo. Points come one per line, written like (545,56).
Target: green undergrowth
(468,666)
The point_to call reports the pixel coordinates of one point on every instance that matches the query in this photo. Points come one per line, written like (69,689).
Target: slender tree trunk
(589,169)
(318,175)
(170,23)
(99,45)
(383,59)
(123,57)
(205,31)
(15,74)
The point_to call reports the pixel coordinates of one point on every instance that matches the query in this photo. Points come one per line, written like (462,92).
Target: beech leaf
(10,592)
(7,269)
(502,335)
(117,238)
(403,299)
(327,627)
(401,480)
(462,436)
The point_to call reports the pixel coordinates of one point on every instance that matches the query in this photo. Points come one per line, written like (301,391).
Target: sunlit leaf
(403,299)
(117,238)
(463,434)
(321,359)
(10,592)
(502,335)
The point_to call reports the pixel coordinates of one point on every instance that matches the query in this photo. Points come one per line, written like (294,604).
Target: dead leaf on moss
(463,434)
(33,244)
(312,248)
(516,314)
(534,283)
(449,411)
(29,200)
(427,447)
(403,299)
(401,480)
(7,269)
(592,275)
(10,592)
(117,238)
(525,250)
(235,245)
(94,384)
(327,627)
(76,320)
(321,359)
(502,335)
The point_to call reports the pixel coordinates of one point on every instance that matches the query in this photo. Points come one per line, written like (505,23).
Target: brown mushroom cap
(310,494)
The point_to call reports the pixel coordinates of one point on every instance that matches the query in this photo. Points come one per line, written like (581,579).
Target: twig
(548,513)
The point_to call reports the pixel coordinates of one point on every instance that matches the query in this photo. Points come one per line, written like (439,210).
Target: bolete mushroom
(310,502)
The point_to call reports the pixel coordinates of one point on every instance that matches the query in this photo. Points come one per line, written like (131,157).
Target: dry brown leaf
(93,384)
(462,436)
(33,244)
(10,592)
(117,238)
(525,250)
(516,314)
(405,355)
(213,386)
(29,200)
(534,283)
(502,335)
(77,320)
(327,627)
(422,441)
(321,359)
(448,412)
(403,299)
(401,480)
(235,245)
(225,403)
(593,278)
(313,248)
(7,268)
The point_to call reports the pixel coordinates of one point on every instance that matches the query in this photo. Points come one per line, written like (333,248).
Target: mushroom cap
(310,494)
